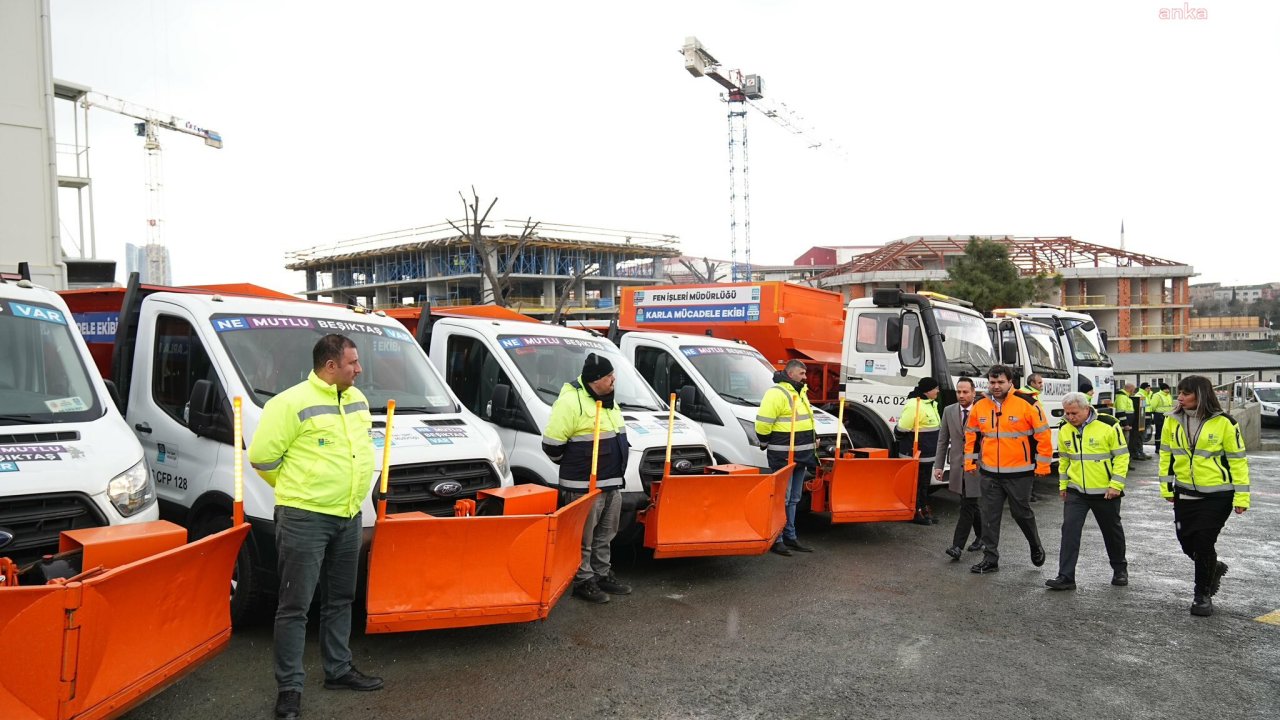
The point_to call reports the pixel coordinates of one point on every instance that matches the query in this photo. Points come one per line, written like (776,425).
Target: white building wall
(28,174)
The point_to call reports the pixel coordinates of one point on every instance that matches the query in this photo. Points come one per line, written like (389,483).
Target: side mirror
(204,416)
(893,334)
(687,400)
(1009,352)
(114,393)
(498,409)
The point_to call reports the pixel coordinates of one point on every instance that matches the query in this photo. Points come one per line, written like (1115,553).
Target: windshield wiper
(738,398)
(970,363)
(636,406)
(411,409)
(265,393)
(18,419)
(552,393)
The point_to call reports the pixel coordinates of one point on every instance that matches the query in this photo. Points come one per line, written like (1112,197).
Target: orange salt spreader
(130,610)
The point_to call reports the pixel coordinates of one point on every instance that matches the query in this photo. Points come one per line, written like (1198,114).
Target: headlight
(132,490)
(500,459)
(749,428)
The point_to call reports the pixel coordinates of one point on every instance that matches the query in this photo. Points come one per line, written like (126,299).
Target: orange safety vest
(1015,439)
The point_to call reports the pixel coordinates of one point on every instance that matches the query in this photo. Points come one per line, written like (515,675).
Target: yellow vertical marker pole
(791,454)
(237,454)
(386,462)
(671,428)
(595,450)
(840,426)
(915,435)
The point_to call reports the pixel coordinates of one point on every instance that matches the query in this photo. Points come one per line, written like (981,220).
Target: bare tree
(487,248)
(709,274)
(581,271)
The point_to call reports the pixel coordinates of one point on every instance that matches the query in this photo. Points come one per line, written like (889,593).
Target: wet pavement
(876,623)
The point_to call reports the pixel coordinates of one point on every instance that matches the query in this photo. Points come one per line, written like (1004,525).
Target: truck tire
(246,593)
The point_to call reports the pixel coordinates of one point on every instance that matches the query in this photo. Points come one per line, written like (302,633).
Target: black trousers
(1134,437)
(970,519)
(1198,523)
(924,476)
(994,492)
(1157,421)
(1106,513)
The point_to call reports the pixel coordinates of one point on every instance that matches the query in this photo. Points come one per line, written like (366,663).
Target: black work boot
(289,705)
(588,590)
(1202,606)
(1060,583)
(354,680)
(1218,571)
(796,545)
(610,584)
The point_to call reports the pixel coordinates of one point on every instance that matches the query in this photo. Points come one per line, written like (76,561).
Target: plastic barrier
(731,510)
(102,642)
(865,489)
(428,573)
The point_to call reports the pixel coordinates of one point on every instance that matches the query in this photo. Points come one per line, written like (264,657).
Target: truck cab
(893,339)
(179,356)
(721,383)
(511,372)
(1084,345)
(1031,347)
(68,461)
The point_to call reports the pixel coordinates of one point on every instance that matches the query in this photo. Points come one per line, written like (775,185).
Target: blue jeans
(313,547)
(794,492)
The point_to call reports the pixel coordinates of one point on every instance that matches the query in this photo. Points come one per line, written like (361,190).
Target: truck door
(472,372)
(170,358)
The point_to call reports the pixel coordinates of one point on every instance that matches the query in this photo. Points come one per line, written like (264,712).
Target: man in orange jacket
(1006,440)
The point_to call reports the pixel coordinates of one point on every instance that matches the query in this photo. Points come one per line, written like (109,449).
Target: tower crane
(152,121)
(742,91)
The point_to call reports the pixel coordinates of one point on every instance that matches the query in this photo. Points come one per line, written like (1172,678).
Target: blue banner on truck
(97,327)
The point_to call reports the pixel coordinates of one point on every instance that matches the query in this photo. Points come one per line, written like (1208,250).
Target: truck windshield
(1044,352)
(740,375)
(1267,394)
(547,362)
(1086,345)
(43,378)
(966,342)
(273,353)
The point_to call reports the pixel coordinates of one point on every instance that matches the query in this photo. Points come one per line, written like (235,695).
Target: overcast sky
(348,119)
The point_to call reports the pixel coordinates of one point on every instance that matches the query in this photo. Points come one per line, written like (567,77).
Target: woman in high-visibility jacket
(920,415)
(1204,472)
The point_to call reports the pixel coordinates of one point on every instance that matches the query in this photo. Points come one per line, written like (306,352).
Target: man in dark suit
(966,485)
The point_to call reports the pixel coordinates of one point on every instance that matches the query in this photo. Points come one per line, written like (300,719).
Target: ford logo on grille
(684,466)
(6,537)
(447,488)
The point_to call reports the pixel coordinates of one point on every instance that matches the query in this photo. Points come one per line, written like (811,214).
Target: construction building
(1232,333)
(438,264)
(1143,303)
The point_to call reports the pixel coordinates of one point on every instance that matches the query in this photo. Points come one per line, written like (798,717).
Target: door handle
(142,427)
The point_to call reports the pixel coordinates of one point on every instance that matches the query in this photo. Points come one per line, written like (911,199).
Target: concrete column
(548,293)
(381,296)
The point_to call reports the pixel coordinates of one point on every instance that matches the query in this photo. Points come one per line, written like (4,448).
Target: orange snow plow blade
(428,573)
(866,489)
(104,641)
(731,510)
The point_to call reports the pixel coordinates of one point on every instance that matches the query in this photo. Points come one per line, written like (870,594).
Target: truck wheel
(245,585)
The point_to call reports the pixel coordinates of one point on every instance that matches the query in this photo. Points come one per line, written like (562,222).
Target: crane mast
(742,91)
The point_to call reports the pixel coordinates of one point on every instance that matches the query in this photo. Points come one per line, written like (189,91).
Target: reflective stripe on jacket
(1213,462)
(313,447)
(1094,457)
(930,422)
(1161,402)
(569,435)
(773,419)
(1015,438)
(1124,407)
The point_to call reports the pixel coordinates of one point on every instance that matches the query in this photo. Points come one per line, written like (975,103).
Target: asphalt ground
(877,623)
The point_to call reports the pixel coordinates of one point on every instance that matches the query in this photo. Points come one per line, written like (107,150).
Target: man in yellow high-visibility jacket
(773,430)
(313,446)
(1093,461)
